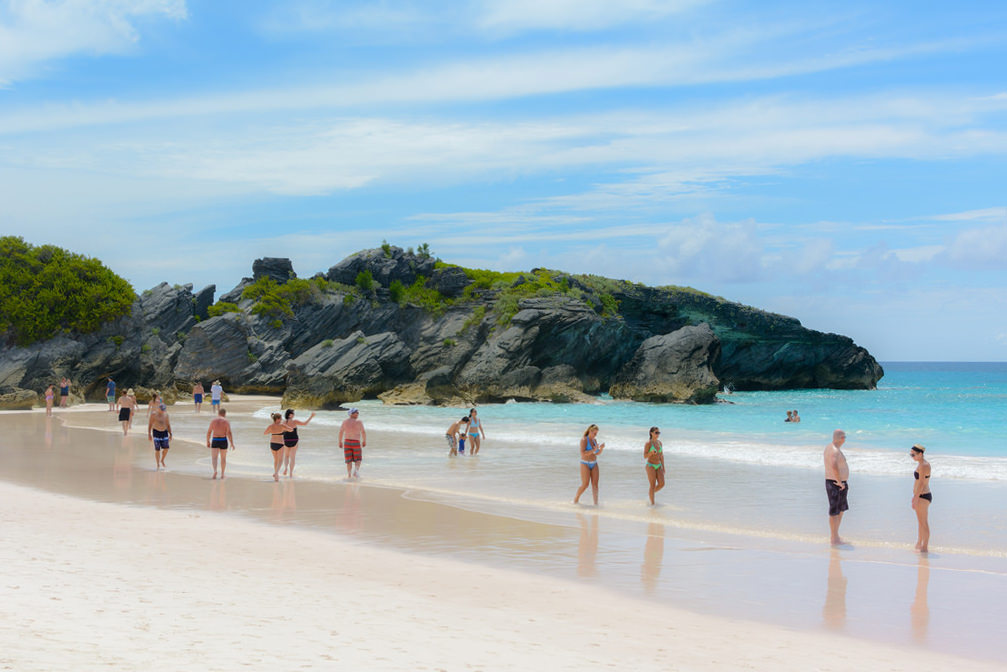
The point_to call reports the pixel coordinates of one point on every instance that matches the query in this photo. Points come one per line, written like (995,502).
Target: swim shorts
(352,451)
(219,442)
(452,444)
(215,402)
(837,497)
(124,414)
(197,398)
(160,439)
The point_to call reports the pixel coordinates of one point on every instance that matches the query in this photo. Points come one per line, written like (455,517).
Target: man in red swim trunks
(352,439)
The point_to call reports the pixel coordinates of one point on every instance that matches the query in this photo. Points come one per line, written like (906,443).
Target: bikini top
(916,475)
(473,423)
(655,449)
(592,446)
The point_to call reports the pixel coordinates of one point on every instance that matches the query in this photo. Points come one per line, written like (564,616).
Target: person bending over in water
(653,455)
(218,434)
(921,497)
(452,435)
(291,440)
(159,433)
(590,449)
(276,432)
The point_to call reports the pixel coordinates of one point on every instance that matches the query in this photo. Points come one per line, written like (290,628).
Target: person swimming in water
(653,455)
(590,472)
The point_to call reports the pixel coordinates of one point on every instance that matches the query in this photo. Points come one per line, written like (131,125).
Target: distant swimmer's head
(590,428)
(918,449)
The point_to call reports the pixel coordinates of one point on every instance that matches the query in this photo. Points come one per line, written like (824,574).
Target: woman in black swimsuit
(276,432)
(290,440)
(921,497)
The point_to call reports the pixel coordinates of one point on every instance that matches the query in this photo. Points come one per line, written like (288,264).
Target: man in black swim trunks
(218,435)
(159,433)
(837,473)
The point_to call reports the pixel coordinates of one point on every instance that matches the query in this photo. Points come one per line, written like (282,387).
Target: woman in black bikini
(921,497)
(290,440)
(653,455)
(276,431)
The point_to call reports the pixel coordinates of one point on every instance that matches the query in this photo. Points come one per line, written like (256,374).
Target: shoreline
(591,552)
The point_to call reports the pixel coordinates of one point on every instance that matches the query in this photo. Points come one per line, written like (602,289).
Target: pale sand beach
(109,565)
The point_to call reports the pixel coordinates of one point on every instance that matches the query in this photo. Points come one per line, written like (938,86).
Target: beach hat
(918,448)
(352,411)
(130,391)
(216,382)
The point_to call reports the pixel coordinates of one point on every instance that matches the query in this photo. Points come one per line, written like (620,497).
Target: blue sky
(843,163)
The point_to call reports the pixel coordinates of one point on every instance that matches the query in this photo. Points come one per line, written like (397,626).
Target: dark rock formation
(540,335)
(16,399)
(279,269)
(673,367)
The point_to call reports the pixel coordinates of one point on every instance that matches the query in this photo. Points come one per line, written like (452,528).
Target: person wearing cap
(215,391)
(837,471)
(127,404)
(159,433)
(352,439)
(921,497)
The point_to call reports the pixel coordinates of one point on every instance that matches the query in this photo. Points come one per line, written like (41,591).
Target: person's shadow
(834,610)
(919,612)
(653,557)
(587,549)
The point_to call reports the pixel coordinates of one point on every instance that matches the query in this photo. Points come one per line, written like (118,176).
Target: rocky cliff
(409,329)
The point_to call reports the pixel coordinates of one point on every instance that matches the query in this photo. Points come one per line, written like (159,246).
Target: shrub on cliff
(46,290)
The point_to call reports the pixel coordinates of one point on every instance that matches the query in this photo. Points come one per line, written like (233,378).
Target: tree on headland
(47,290)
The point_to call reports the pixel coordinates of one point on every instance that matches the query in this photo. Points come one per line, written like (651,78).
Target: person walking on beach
(476,433)
(50,394)
(590,472)
(197,395)
(276,432)
(218,435)
(135,406)
(110,394)
(64,392)
(921,497)
(215,393)
(653,455)
(291,440)
(837,472)
(452,435)
(159,433)
(126,405)
(352,439)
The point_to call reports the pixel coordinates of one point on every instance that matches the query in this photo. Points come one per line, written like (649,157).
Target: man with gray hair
(837,472)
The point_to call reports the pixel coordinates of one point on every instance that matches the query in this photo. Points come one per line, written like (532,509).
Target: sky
(840,162)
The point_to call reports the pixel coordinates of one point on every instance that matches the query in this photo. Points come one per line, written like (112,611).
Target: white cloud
(984,247)
(508,16)
(980,215)
(33,32)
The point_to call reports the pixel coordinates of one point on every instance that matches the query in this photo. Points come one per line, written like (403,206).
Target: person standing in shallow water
(590,472)
(476,432)
(64,392)
(653,455)
(159,433)
(50,394)
(352,439)
(837,473)
(921,497)
(276,432)
(110,394)
(127,405)
(197,395)
(291,441)
(218,435)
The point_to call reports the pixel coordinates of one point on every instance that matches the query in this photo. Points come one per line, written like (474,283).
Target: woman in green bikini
(653,455)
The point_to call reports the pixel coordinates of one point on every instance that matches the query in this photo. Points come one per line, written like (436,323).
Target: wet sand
(404,581)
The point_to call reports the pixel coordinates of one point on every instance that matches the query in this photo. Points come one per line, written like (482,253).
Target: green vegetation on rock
(221,307)
(47,290)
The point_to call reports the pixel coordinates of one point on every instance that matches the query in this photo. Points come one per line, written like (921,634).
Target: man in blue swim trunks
(218,435)
(215,393)
(197,395)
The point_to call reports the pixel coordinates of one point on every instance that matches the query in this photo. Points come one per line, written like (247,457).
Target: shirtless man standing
(836,474)
(218,435)
(197,395)
(159,432)
(352,439)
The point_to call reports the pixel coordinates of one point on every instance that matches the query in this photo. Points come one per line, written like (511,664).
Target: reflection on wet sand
(122,465)
(218,495)
(834,611)
(587,548)
(653,557)
(284,500)
(349,518)
(919,613)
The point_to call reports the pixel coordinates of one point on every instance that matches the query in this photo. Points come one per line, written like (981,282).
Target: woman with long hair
(653,456)
(590,449)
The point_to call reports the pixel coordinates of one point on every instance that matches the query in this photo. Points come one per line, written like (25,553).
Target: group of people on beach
(469,428)
(64,395)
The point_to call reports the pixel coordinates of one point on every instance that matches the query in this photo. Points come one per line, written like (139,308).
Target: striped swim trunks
(351,450)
